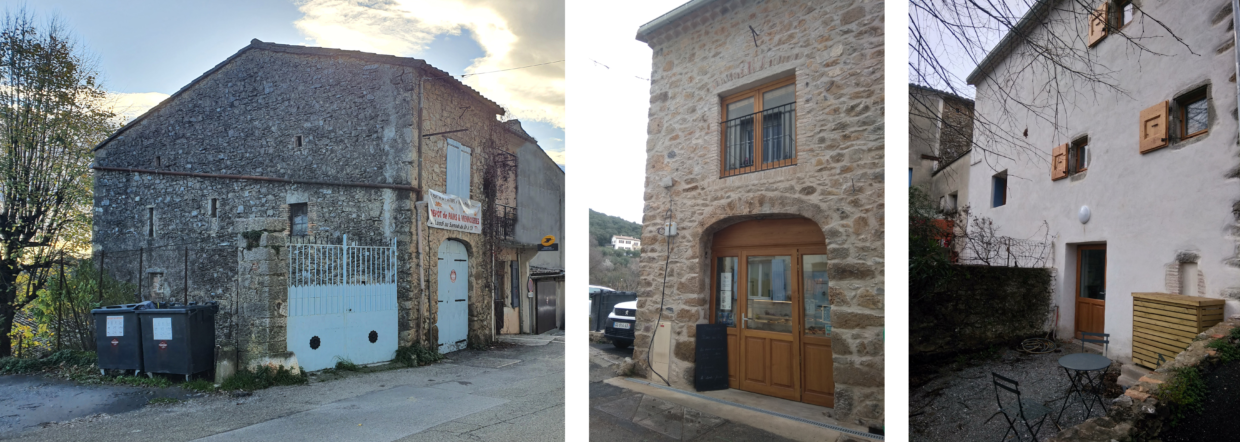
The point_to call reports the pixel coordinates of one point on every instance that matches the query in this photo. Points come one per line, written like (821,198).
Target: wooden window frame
(1078,149)
(292,215)
(1182,102)
(756,94)
(1119,13)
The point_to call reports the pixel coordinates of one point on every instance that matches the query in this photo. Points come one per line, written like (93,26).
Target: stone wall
(354,116)
(834,50)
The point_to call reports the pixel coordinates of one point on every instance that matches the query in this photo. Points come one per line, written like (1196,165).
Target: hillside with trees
(610,267)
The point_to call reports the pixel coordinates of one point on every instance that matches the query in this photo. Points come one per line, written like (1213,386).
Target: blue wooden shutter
(465,156)
(453,168)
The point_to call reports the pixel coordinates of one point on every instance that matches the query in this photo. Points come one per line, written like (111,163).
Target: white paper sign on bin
(161,329)
(116,326)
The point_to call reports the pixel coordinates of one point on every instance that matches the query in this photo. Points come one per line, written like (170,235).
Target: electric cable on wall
(670,241)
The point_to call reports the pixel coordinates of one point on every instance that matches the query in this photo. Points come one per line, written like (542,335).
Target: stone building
(249,180)
(794,211)
(940,133)
(1131,185)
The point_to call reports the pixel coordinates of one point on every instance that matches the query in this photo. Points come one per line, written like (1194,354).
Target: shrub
(344,364)
(1183,393)
(263,377)
(417,355)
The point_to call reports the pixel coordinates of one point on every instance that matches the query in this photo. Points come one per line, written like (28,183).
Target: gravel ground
(959,403)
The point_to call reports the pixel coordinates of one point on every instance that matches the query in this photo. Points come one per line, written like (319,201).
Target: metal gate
(546,306)
(341,304)
(453,316)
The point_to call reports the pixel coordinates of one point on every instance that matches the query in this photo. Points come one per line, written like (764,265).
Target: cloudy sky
(609,69)
(148,49)
(989,29)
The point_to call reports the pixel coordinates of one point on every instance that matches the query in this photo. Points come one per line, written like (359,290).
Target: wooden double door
(770,288)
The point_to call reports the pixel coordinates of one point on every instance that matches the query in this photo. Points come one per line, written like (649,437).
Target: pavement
(514,393)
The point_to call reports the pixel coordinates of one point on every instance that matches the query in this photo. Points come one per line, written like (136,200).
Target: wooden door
(817,379)
(1091,263)
(769,353)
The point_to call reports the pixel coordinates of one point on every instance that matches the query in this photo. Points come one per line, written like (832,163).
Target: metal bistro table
(1080,365)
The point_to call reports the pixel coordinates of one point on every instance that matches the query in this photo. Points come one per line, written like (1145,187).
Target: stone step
(1130,374)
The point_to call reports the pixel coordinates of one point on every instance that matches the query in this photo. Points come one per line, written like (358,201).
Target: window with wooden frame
(1078,155)
(1193,111)
(298,219)
(1124,13)
(758,129)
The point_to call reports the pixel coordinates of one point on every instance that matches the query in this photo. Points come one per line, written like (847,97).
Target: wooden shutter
(1059,162)
(453,169)
(1098,24)
(1154,128)
(466,156)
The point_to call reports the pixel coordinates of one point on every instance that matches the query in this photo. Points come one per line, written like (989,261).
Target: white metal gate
(341,304)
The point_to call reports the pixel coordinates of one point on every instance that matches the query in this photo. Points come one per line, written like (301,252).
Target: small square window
(298,219)
(1194,113)
(1078,155)
(998,195)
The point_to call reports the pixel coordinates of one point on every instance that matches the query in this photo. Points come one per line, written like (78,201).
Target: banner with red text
(452,213)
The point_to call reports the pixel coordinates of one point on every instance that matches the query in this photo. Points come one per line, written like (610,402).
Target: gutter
(1031,19)
(555,275)
(1235,20)
(643,32)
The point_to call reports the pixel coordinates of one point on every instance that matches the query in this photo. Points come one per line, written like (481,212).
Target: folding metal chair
(1020,409)
(1096,338)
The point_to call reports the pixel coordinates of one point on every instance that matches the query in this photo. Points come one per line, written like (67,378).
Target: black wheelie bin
(178,339)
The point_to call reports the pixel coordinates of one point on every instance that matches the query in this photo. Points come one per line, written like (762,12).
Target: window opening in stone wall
(998,192)
(1194,113)
(214,207)
(297,141)
(155,280)
(770,109)
(158,163)
(298,219)
(1078,155)
(150,222)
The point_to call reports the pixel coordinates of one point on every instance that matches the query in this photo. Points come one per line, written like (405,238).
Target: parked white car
(595,289)
(620,324)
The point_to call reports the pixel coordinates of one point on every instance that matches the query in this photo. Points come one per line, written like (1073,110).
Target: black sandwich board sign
(710,371)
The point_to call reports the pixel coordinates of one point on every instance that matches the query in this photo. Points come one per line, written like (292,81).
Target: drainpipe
(421,304)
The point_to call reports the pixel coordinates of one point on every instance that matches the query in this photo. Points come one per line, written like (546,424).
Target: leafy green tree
(63,307)
(52,112)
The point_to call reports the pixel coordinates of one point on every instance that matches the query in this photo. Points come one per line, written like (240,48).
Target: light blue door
(453,300)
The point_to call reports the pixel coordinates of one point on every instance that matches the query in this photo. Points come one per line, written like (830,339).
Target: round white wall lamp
(1083,215)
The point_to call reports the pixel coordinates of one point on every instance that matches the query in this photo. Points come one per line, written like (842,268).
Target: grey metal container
(118,337)
(178,339)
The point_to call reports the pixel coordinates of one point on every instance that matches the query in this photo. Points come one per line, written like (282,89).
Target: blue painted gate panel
(342,304)
(453,300)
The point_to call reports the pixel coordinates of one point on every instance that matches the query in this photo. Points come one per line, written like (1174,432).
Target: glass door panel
(1093,274)
(817,305)
(725,290)
(769,292)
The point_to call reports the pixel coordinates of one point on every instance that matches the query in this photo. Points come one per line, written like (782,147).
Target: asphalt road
(499,395)
(618,354)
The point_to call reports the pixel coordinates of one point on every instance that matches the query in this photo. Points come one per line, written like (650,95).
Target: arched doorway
(453,283)
(769,286)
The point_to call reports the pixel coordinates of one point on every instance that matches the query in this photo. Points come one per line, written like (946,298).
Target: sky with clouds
(148,49)
(610,73)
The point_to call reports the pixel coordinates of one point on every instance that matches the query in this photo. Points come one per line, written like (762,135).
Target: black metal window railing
(775,148)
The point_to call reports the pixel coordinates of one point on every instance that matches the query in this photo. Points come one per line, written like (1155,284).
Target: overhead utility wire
(599,63)
(511,69)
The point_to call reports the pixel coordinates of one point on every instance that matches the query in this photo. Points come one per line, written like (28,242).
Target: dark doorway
(545,294)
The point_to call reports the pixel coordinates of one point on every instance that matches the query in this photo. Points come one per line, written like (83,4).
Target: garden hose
(1038,345)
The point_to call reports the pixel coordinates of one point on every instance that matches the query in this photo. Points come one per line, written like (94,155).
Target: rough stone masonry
(835,51)
(296,113)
